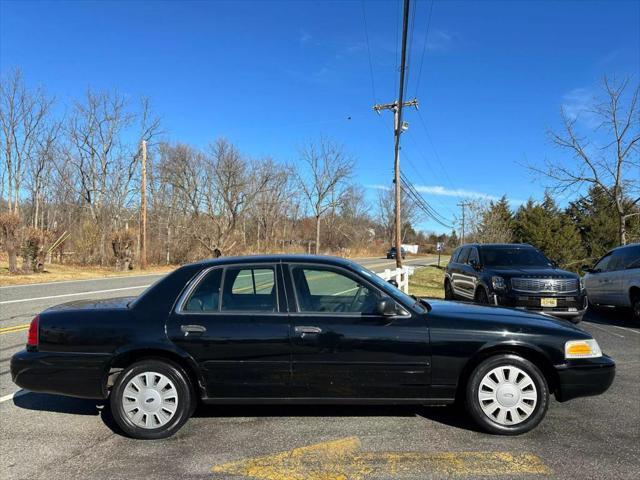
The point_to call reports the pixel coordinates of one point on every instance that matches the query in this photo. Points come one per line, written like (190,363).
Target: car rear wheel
(152,399)
(507,395)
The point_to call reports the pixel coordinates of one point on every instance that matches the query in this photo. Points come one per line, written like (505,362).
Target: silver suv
(615,279)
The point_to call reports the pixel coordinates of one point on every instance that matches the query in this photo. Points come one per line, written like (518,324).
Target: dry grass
(428,281)
(56,273)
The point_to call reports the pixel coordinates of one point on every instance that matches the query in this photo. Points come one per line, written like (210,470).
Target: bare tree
(386,216)
(323,175)
(611,164)
(23,114)
(102,161)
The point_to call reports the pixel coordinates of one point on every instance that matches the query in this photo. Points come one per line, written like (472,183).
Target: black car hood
(459,310)
(105,304)
(537,272)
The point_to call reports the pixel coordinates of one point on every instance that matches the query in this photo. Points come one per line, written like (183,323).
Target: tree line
(70,190)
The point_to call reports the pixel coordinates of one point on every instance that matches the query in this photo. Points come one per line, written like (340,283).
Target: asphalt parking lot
(47,436)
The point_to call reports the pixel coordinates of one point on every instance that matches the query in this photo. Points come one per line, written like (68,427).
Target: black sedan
(303,330)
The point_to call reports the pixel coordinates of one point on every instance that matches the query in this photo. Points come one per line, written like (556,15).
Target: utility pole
(463,205)
(398,128)
(143,208)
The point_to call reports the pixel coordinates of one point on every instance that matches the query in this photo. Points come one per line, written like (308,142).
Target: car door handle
(305,329)
(193,329)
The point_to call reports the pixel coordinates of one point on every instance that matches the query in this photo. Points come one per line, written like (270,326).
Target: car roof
(282,258)
(623,247)
(498,245)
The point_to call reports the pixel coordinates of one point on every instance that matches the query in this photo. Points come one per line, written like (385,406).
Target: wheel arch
(529,352)
(634,292)
(128,356)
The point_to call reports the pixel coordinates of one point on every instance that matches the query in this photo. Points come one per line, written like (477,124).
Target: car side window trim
(351,275)
(184,297)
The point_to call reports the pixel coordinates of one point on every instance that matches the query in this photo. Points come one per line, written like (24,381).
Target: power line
(422,203)
(433,147)
(424,46)
(366,35)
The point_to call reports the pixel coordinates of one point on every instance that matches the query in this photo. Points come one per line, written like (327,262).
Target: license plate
(548,302)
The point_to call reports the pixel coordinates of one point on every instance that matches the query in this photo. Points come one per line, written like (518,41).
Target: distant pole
(143,208)
(463,205)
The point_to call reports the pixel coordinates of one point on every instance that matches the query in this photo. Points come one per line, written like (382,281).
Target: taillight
(32,338)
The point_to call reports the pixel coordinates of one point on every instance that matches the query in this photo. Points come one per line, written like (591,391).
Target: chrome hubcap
(507,395)
(150,400)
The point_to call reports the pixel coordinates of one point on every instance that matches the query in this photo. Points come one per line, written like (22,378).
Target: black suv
(514,275)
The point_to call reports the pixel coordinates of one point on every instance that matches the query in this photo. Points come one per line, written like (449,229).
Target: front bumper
(72,374)
(583,378)
(567,306)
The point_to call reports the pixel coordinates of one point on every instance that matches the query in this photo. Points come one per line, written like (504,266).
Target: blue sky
(272,75)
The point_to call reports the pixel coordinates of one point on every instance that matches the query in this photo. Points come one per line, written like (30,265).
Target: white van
(615,279)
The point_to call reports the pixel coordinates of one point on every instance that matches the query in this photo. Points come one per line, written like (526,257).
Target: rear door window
(464,255)
(206,296)
(249,289)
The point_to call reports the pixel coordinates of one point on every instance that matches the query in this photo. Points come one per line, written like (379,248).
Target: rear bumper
(72,374)
(583,378)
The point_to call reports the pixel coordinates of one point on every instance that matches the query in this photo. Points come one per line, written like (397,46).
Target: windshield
(514,257)
(387,287)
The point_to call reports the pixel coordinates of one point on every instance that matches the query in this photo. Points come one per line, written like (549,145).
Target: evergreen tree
(596,219)
(546,227)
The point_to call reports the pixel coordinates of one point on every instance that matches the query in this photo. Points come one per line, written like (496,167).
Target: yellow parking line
(14,328)
(342,459)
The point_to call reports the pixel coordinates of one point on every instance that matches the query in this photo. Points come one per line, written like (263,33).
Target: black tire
(635,307)
(491,425)
(575,320)
(481,296)
(184,392)
(448,291)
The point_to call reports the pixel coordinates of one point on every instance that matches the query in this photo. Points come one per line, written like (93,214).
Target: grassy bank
(56,273)
(428,281)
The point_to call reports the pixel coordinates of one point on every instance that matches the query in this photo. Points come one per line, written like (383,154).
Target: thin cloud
(305,37)
(458,192)
(441,191)
(578,104)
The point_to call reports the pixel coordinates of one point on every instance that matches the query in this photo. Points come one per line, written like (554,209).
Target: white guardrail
(400,275)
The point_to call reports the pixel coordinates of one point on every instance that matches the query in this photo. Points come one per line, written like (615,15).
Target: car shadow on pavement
(448,415)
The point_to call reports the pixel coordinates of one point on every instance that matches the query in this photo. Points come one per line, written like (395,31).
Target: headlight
(498,283)
(582,349)
(581,283)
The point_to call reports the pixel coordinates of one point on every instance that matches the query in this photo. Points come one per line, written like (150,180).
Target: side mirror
(393,282)
(588,269)
(475,264)
(386,307)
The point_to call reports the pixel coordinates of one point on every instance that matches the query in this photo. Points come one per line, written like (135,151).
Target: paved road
(46,436)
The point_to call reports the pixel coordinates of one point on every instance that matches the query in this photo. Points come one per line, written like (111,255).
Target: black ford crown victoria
(303,329)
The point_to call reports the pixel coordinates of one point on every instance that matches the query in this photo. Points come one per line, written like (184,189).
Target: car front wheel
(151,399)
(507,395)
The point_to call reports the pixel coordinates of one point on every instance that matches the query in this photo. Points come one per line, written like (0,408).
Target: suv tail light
(32,338)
